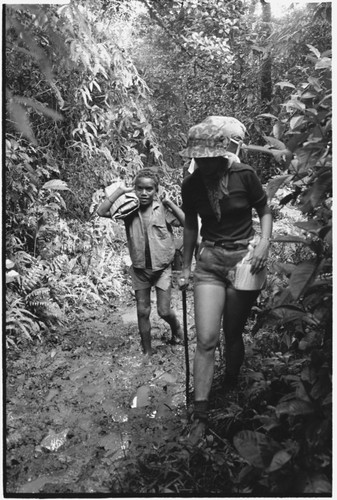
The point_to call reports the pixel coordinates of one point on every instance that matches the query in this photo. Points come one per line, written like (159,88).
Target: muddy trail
(83,404)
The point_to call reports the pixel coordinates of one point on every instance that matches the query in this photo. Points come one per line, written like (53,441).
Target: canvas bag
(124,205)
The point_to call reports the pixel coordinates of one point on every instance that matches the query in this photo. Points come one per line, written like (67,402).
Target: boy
(151,247)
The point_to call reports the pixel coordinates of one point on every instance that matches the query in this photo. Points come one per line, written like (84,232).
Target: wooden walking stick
(187,362)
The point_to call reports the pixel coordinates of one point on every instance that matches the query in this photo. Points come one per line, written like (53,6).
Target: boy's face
(145,190)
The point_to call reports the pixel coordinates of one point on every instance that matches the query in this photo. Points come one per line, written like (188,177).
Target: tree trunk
(266,80)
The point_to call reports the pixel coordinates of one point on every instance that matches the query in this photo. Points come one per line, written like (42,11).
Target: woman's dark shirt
(245,192)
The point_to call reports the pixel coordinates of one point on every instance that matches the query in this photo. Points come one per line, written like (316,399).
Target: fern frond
(33,278)
(59,265)
(40,297)
(19,319)
(22,260)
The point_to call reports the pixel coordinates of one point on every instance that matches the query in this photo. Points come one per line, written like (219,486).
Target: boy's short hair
(149,173)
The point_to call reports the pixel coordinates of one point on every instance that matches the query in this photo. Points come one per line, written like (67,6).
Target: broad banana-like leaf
(279,460)
(275,184)
(294,407)
(256,448)
(300,278)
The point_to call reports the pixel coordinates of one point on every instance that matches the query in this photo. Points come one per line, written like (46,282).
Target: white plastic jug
(245,280)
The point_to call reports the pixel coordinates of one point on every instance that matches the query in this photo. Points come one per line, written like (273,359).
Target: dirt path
(83,399)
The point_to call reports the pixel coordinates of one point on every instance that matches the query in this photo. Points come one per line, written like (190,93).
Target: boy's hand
(119,187)
(162,197)
(124,188)
(165,200)
(128,189)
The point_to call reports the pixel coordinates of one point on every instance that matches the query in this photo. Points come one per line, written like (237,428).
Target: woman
(222,191)
(151,246)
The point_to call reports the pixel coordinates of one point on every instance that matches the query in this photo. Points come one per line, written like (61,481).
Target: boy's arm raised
(177,212)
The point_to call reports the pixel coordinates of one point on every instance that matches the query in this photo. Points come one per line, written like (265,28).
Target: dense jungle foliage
(95,90)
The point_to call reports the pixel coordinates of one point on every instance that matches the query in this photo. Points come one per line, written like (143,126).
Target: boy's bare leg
(168,314)
(143,299)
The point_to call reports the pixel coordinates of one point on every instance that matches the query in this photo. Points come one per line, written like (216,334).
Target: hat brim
(203,152)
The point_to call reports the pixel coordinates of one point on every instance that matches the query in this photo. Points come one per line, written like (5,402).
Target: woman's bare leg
(237,308)
(209,302)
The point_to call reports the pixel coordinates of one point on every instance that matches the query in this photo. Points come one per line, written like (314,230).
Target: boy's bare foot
(147,359)
(177,337)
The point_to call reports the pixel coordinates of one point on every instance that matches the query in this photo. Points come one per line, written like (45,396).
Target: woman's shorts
(216,265)
(147,278)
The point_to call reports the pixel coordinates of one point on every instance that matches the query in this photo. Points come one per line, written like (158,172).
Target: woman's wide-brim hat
(211,137)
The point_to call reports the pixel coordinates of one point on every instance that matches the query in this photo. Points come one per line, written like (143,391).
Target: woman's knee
(208,342)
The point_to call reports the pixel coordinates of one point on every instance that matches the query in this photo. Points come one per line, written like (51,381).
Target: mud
(84,398)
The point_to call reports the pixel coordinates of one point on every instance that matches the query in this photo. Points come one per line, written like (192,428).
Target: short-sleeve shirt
(245,192)
(159,237)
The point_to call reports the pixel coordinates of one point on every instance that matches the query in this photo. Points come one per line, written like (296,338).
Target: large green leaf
(56,184)
(287,313)
(41,108)
(294,407)
(300,278)
(283,267)
(318,483)
(20,120)
(285,84)
(275,143)
(275,184)
(256,448)
(296,121)
(279,460)
(310,226)
(322,186)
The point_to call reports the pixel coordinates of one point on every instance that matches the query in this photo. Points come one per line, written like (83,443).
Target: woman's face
(211,166)
(145,190)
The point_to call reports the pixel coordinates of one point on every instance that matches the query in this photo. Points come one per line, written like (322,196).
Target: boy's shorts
(216,265)
(147,278)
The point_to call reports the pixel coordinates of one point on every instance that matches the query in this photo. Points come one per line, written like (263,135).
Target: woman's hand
(184,278)
(260,256)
